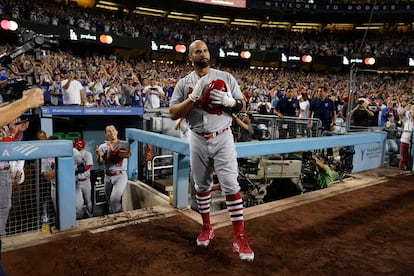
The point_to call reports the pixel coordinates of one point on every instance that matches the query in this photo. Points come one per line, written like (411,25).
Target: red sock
(235,208)
(203,203)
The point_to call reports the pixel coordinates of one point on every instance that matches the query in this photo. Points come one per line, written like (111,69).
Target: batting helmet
(79,144)
(205,101)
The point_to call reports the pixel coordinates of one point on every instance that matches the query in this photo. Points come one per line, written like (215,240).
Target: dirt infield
(368,231)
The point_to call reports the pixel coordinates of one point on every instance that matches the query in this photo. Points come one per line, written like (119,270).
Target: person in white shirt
(72,90)
(405,141)
(304,105)
(154,94)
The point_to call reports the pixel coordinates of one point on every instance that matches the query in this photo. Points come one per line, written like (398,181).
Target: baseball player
(11,174)
(83,179)
(114,154)
(31,98)
(48,166)
(5,199)
(48,170)
(211,142)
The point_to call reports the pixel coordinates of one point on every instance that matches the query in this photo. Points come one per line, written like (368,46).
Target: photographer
(325,177)
(154,94)
(361,114)
(246,128)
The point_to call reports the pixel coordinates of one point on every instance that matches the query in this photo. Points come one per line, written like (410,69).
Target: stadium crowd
(111,81)
(392,42)
(115,82)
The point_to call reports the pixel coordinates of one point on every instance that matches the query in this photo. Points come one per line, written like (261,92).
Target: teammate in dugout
(211,141)
(83,180)
(114,154)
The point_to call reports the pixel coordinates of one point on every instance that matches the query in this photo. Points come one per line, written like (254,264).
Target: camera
(31,42)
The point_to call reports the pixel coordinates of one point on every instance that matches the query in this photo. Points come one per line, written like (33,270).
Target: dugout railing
(369,152)
(287,127)
(31,199)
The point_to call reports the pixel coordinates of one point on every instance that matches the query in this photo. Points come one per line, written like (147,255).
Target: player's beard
(202,63)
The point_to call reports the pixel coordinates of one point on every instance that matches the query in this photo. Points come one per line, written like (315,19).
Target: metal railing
(288,127)
(160,167)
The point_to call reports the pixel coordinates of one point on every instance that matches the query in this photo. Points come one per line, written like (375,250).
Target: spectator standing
(287,106)
(304,105)
(96,86)
(56,90)
(375,109)
(323,108)
(126,90)
(264,107)
(390,108)
(360,114)
(254,101)
(405,141)
(391,128)
(154,94)
(72,90)
(138,99)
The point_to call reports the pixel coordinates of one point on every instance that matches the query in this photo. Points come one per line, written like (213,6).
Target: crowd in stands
(388,43)
(115,82)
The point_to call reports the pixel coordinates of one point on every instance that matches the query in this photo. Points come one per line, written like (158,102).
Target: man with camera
(154,94)
(360,114)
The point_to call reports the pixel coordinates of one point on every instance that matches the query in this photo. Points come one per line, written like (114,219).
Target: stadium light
(180,48)
(106,39)
(9,25)
(245,54)
(307,58)
(369,61)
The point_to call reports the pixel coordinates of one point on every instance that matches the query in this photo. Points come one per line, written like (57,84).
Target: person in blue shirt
(102,101)
(287,106)
(323,108)
(137,98)
(391,108)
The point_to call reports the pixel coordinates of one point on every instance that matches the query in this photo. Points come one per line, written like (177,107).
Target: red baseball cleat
(241,246)
(206,235)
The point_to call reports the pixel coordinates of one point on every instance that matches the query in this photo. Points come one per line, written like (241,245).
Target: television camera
(30,42)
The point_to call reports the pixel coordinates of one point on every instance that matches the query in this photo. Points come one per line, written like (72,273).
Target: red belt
(5,168)
(82,179)
(209,136)
(113,173)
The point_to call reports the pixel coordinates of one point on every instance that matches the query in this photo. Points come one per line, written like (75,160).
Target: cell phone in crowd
(21,122)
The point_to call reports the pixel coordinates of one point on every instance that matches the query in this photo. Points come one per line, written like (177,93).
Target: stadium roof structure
(312,11)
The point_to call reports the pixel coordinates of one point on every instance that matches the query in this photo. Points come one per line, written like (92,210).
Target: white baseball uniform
(115,174)
(211,140)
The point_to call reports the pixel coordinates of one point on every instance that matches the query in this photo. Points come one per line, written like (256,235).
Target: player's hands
(222,98)
(98,151)
(110,146)
(33,97)
(198,89)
